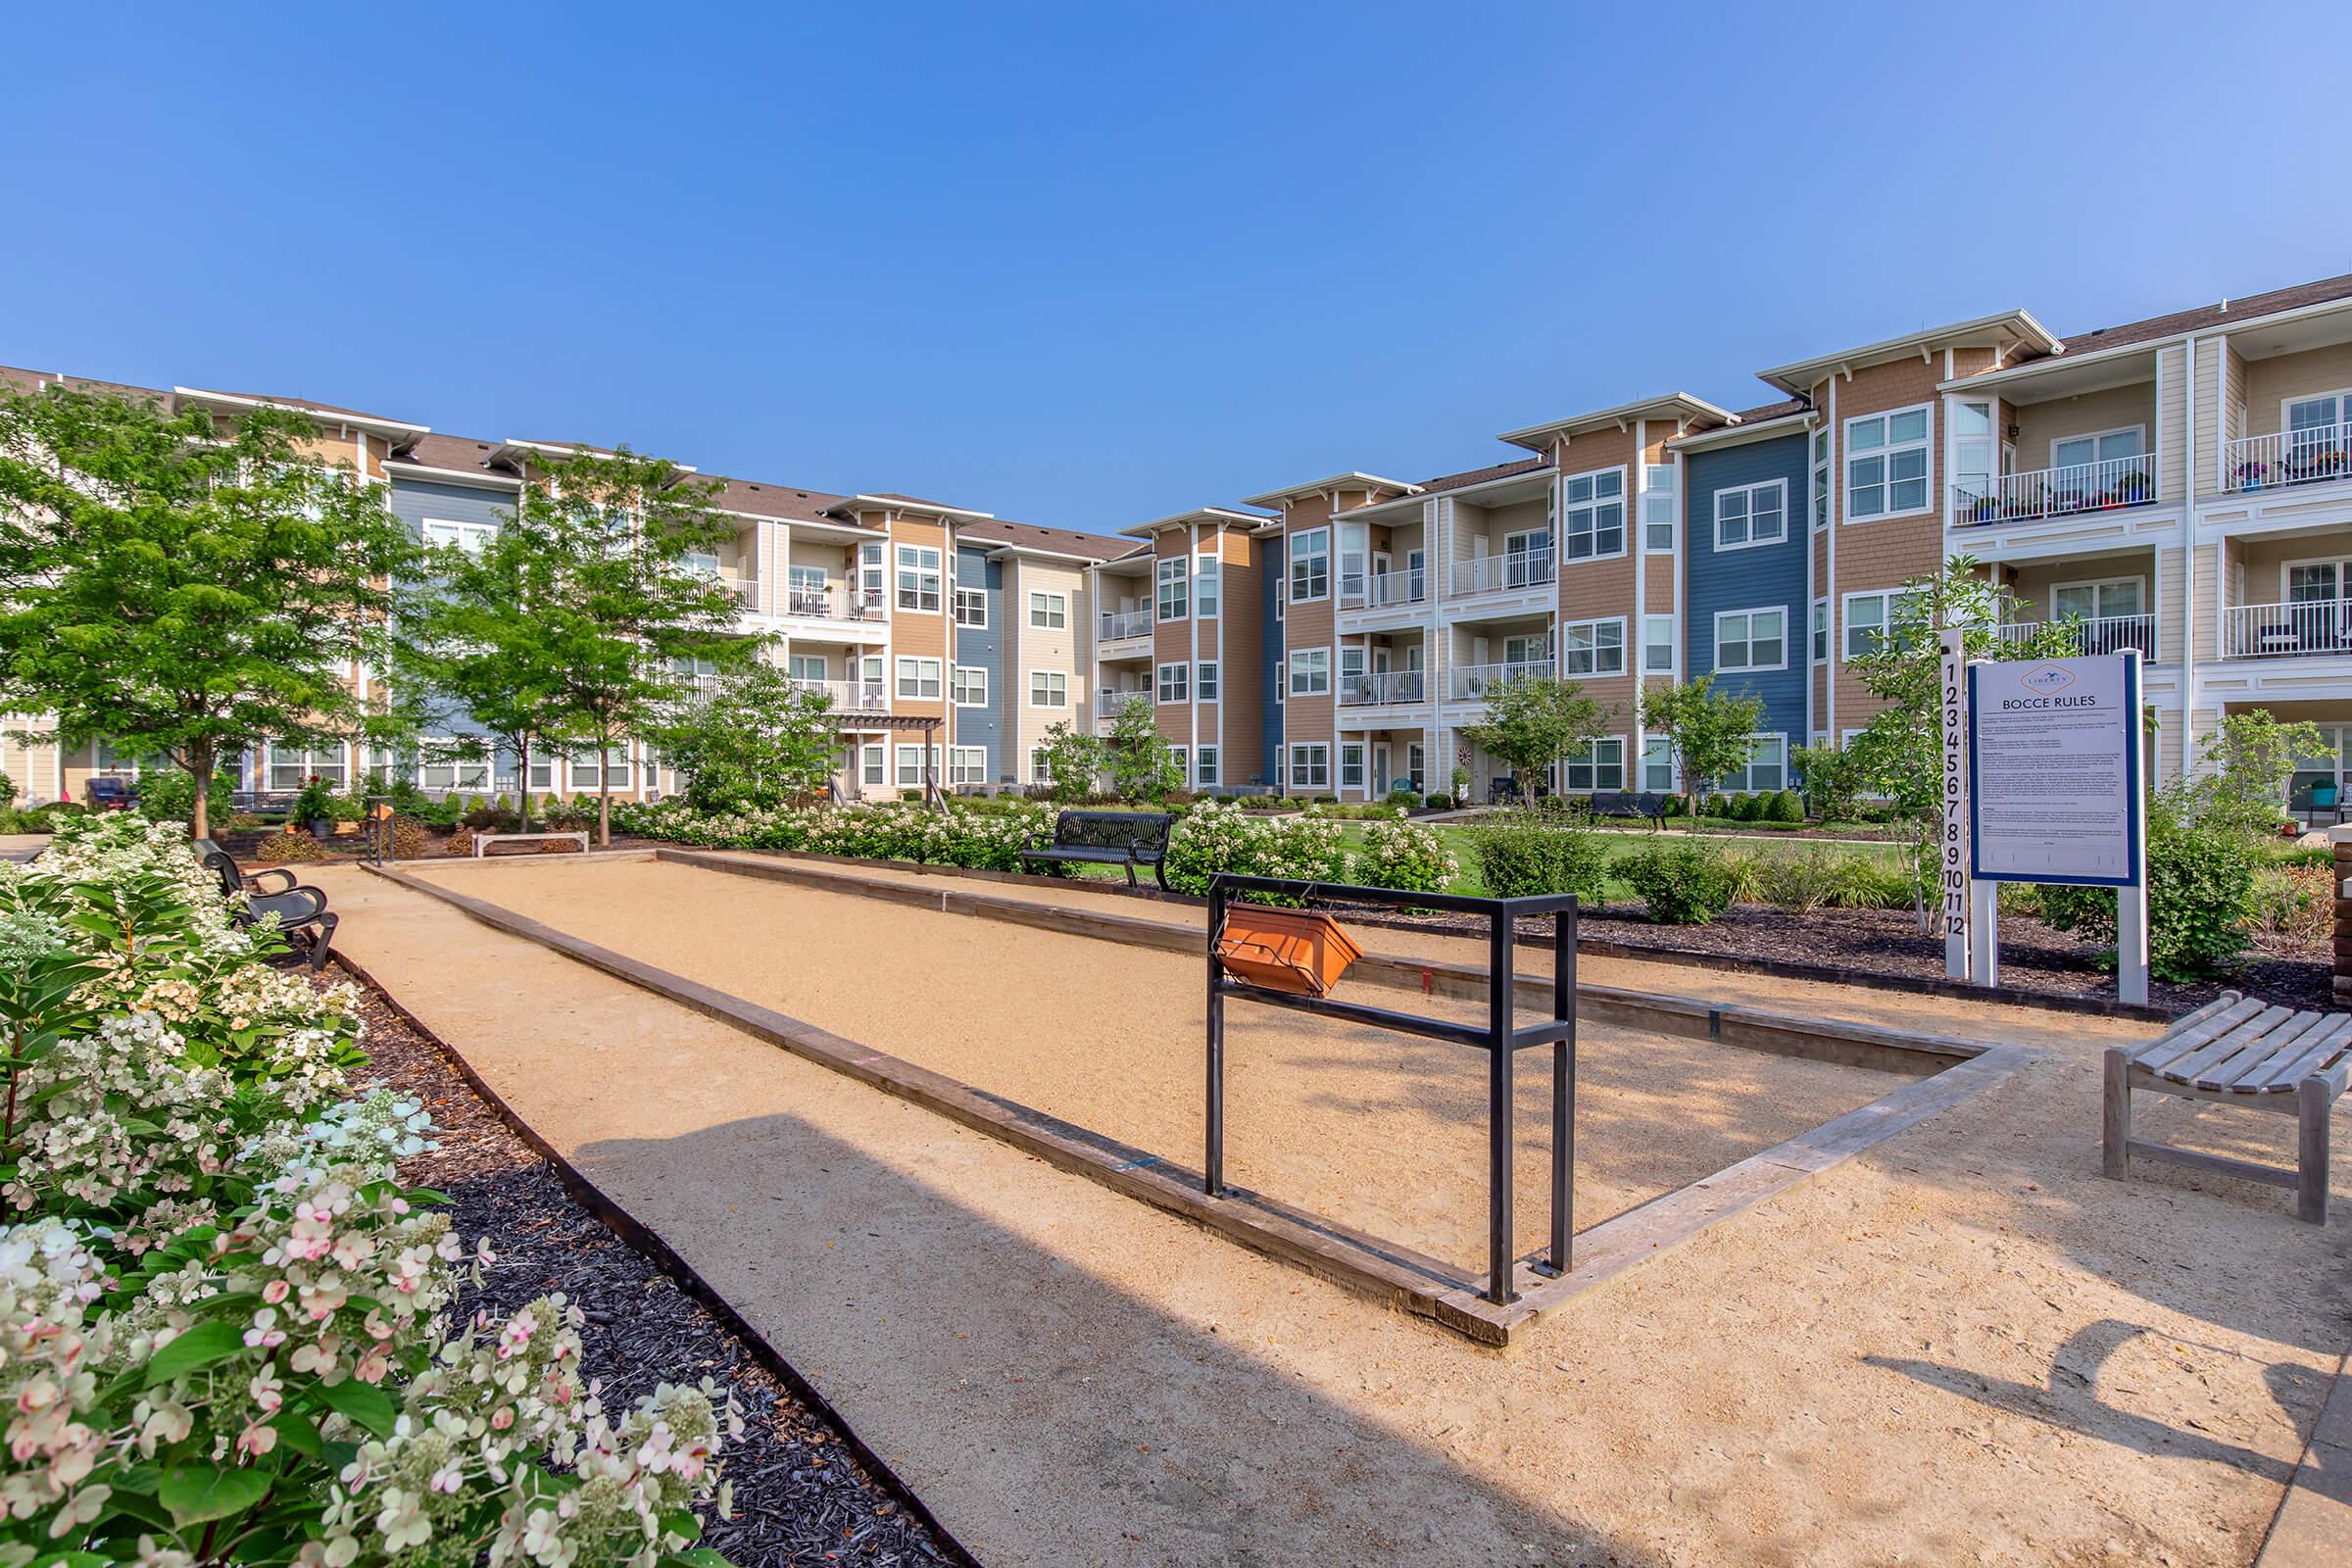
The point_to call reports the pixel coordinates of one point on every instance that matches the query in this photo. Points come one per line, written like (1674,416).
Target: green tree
(1072,761)
(2250,761)
(752,740)
(188,587)
(1832,779)
(1141,764)
(1533,722)
(1709,732)
(619,599)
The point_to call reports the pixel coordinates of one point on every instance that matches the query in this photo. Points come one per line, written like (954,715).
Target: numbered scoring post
(2054,771)
(1955,870)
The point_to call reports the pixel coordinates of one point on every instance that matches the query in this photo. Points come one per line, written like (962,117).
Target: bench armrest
(252,879)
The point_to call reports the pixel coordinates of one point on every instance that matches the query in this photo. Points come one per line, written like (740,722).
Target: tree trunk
(522,776)
(199,765)
(604,795)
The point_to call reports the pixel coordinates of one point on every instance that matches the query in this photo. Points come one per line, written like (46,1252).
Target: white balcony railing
(834,601)
(2057,492)
(1470,683)
(1108,701)
(1384,589)
(1117,624)
(2284,631)
(2293,456)
(1515,568)
(849,695)
(2101,634)
(1382,688)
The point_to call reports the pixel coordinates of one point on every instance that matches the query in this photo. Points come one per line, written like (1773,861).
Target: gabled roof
(2223,313)
(1354,479)
(1672,405)
(2006,328)
(885,501)
(1214,517)
(376,424)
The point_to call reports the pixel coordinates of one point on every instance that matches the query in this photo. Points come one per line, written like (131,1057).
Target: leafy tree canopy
(1709,732)
(1534,723)
(752,740)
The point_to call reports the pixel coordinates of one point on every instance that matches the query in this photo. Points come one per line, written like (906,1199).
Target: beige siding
(2268,383)
(2172,422)
(2040,424)
(2202,620)
(2171,604)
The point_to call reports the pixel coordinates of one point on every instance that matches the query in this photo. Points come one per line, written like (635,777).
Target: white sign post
(2054,791)
(1952,841)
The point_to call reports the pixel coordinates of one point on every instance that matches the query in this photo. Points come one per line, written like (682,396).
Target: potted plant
(315,807)
(2322,795)
(2250,475)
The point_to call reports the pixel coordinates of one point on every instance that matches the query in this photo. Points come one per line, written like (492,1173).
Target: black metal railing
(1499,1037)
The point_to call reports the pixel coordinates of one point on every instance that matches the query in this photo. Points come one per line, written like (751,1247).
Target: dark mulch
(800,1497)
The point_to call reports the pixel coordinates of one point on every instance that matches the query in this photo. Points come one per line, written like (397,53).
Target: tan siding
(1240,660)
(1307,626)
(2172,418)
(1876,554)
(2290,375)
(2201,621)
(2039,425)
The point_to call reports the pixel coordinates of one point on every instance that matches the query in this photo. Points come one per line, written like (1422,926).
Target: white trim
(1845,616)
(1749,492)
(1925,444)
(965,677)
(1054,601)
(1051,676)
(1561,559)
(1715,662)
(2094,437)
(1165,691)
(897,564)
(1290,677)
(1291,555)
(938,676)
(1594,624)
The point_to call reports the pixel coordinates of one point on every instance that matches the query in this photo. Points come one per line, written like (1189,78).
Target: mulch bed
(800,1497)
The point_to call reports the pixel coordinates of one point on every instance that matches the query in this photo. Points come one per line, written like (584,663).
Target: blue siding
(983,647)
(1759,577)
(1270,666)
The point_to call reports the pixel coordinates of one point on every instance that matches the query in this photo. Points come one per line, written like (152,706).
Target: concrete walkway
(1963,1345)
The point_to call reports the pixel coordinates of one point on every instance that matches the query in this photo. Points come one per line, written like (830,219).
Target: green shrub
(1520,855)
(1861,882)
(2202,894)
(1786,808)
(1743,876)
(1797,883)
(1438,802)
(1677,806)
(168,795)
(1683,884)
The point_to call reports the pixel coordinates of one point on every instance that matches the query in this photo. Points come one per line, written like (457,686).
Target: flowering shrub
(220,1316)
(1401,854)
(989,840)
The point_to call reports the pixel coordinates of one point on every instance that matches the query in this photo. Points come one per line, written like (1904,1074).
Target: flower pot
(1285,950)
(344,830)
(322,827)
(2322,795)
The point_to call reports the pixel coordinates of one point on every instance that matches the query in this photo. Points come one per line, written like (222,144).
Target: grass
(1619,845)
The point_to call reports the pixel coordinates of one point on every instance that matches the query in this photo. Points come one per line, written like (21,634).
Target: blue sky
(1093,263)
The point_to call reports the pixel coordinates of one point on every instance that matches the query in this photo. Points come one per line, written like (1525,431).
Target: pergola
(933,794)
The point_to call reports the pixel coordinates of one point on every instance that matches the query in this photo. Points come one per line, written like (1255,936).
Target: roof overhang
(1679,406)
(1199,517)
(1354,479)
(369,422)
(2059,375)
(1740,434)
(2009,328)
(920,509)
(1001,552)
(516,453)
(400,468)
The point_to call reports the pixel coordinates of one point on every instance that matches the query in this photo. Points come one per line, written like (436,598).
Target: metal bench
(1126,838)
(1626,802)
(301,911)
(483,841)
(2236,1052)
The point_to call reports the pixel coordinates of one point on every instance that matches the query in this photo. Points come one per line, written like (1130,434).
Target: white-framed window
(911,767)
(1657,765)
(1205,766)
(1868,618)
(967,764)
(1976,449)
(1049,611)
(543,773)
(1751,514)
(1351,665)
(1591,521)
(2097,601)
(1659,504)
(972,606)
(1767,770)
(290,767)
(918,577)
(1039,773)
(1657,644)
(1311,766)
(1886,464)
(445,772)
(1352,764)
(869,577)
(1208,584)
(1174,594)
(470,537)
(1311,672)
(2314,423)
(1205,680)
(971,689)
(1821,631)
(1181,756)
(1310,564)
(2102,446)
(874,765)
(1593,647)
(807,667)
(1752,639)
(1821,479)
(1172,682)
(1598,766)
(580,770)
(919,678)
(1533,648)
(1048,687)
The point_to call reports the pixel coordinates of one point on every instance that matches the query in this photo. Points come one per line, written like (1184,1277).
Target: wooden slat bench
(483,841)
(2236,1052)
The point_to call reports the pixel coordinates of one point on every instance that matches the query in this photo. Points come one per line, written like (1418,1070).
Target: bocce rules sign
(2054,763)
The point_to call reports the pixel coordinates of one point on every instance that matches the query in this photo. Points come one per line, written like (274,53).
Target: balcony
(1108,701)
(849,695)
(2102,634)
(2310,456)
(833,601)
(1117,625)
(1517,569)
(1384,688)
(2287,631)
(2057,492)
(1470,683)
(1384,590)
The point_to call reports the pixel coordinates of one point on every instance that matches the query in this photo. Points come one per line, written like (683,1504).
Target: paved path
(1961,1346)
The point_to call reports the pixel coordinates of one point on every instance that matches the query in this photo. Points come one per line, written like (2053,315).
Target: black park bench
(1623,803)
(1106,838)
(307,925)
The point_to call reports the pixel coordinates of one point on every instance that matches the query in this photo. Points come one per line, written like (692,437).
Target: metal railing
(1470,683)
(1108,701)
(2057,492)
(1118,624)
(849,695)
(2307,456)
(835,600)
(2287,631)
(1382,688)
(2097,634)
(1520,568)
(1382,589)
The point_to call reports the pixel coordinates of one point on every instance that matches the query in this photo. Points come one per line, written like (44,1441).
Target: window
(1181,756)
(1868,619)
(972,606)
(1050,611)
(1657,765)
(1751,514)
(1657,644)
(1311,672)
(1531,649)
(1767,768)
(806,667)
(2089,450)
(469,537)
(1592,515)
(1593,648)
(967,764)
(1414,757)
(1352,766)
(1752,639)
(543,771)
(873,768)
(1039,773)
(1658,499)
(1172,590)
(1352,667)
(911,767)
(1205,680)
(1048,687)
(1310,565)
(1821,479)
(919,678)
(2096,601)
(580,772)
(971,686)
(2315,581)
(1172,682)
(1975,453)
(1887,465)
(1205,766)
(1527,558)
(1821,631)
(1208,584)
(918,577)
(869,578)
(1310,766)
(2325,766)
(446,773)
(2314,426)
(290,767)
(1598,766)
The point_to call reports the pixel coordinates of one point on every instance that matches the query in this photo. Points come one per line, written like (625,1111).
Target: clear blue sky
(1091,264)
